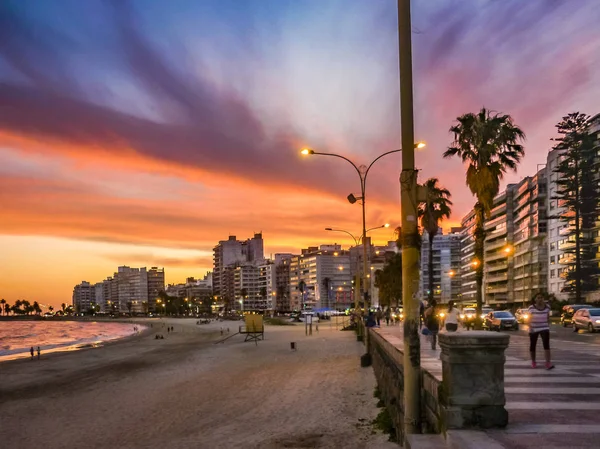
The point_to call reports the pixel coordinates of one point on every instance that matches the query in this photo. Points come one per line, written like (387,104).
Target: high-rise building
(99,299)
(529,252)
(446,266)
(515,249)
(468,263)
(282,282)
(320,278)
(132,288)
(267,283)
(84,297)
(497,272)
(228,254)
(156,284)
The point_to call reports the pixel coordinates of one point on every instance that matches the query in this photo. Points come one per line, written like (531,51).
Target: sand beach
(187,392)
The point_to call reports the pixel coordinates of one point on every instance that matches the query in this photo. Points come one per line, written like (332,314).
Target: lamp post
(357,241)
(363,172)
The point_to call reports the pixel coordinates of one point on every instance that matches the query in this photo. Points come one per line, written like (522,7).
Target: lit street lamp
(362,171)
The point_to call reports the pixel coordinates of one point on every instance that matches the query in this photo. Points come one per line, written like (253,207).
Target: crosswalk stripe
(553,428)
(552,390)
(536,405)
(551,380)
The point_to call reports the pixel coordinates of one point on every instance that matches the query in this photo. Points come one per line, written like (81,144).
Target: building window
(553,246)
(552,259)
(552,273)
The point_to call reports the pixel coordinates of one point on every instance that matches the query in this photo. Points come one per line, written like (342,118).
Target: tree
(129,306)
(327,287)
(577,196)
(6,308)
(302,288)
(432,213)
(490,145)
(27,307)
(2,302)
(389,281)
(36,308)
(63,307)
(16,307)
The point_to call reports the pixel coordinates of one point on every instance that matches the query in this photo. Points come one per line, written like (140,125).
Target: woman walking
(539,326)
(451,318)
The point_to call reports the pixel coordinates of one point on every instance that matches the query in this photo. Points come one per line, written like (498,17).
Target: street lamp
(362,171)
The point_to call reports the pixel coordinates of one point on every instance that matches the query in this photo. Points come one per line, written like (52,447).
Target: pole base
(365,360)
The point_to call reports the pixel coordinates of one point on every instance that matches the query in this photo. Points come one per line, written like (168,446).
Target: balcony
(496,267)
(496,278)
(495,244)
(494,256)
(497,289)
(494,222)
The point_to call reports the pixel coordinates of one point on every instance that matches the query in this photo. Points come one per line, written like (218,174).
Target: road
(550,409)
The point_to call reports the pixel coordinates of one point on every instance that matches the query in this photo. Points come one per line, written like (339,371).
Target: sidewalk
(549,409)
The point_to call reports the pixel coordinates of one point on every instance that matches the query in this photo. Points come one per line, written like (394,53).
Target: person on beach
(432,323)
(31,351)
(451,318)
(38,352)
(539,326)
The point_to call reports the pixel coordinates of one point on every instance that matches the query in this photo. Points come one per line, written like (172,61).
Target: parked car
(585,318)
(568,311)
(502,320)
(522,315)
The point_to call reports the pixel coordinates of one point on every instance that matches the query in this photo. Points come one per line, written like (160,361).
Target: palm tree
(36,308)
(489,144)
(302,288)
(7,308)
(432,213)
(2,302)
(63,306)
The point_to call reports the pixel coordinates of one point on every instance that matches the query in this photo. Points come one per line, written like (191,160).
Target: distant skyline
(143,132)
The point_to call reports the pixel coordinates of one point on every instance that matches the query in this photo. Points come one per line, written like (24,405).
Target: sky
(143,132)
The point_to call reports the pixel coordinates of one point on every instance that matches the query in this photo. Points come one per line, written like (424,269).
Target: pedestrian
(168,330)
(31,351)
(539,326)
(38,352)
(421,314)
(370,320)
(388,314)
(432,322)
(379,316)
(451,318)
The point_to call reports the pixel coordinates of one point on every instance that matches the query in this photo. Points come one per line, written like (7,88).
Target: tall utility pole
(410,237)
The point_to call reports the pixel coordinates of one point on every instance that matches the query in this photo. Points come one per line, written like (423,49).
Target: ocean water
(17,337)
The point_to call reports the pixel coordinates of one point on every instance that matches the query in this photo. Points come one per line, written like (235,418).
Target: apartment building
(497,271)
(468,289)
(282,282)
(156,284)
(325,274)
(529,252)
(267,283)
(446,266)
(84,297)
(228,254)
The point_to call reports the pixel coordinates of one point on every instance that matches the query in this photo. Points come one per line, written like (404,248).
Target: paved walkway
(549,409)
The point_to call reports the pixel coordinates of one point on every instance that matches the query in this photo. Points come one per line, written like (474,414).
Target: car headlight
(442,314)
(525,317)
(598,321)
(462,316)
(470,316)
(482,316)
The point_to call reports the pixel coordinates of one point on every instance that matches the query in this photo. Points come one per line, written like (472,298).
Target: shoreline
(74,348)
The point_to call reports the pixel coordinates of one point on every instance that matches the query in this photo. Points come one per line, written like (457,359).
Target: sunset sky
(141,133)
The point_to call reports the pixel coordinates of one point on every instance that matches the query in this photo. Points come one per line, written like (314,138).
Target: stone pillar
(472,392)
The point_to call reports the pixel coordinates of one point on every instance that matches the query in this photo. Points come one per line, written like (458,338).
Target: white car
(586,319)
